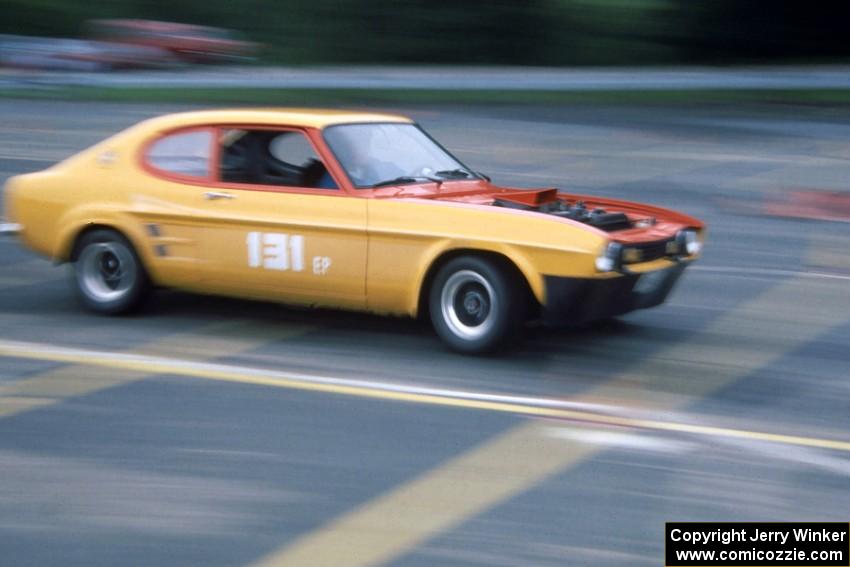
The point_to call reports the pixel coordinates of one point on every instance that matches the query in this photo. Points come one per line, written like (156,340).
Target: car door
(278,225)
(167,199)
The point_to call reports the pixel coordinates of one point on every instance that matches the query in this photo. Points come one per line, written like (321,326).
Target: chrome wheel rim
(106,271)
(467,303)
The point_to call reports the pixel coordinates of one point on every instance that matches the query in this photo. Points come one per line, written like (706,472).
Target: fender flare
(442,251)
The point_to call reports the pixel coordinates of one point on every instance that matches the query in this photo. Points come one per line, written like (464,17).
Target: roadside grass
(325,97)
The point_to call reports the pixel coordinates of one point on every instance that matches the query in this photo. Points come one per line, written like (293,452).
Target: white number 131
(275,251)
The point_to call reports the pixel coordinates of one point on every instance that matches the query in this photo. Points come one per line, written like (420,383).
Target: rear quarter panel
(87,189)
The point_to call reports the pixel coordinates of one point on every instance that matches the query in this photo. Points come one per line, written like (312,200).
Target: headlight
(689,242)
(611,258)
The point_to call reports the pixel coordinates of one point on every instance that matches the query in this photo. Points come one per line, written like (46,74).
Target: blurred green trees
(529,32)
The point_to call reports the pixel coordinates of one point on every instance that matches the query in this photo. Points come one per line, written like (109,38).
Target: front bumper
(9,228)
(573,301)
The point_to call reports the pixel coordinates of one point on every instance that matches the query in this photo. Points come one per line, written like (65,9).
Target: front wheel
(476,305)
(108,275)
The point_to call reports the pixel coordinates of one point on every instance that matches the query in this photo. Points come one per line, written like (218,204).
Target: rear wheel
(476,305)
(108,275)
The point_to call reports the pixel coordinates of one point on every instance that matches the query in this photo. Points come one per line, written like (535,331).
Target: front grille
(647,251)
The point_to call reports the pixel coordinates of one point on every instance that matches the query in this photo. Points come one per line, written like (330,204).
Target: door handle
(213,195)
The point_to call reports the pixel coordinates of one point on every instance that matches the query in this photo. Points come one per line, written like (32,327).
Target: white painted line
(744,271)
(804,457)
(620,440)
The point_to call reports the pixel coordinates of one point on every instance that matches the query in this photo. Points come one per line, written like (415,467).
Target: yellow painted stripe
(734,345)
(107,363)
(211,340)
(752,336)
(436,501)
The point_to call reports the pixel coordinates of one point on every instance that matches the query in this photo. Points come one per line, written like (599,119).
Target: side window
(269,157)
(182,153)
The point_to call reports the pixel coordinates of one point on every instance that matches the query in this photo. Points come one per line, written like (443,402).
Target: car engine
(577,211)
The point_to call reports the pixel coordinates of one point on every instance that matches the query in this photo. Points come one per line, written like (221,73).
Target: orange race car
(348,210)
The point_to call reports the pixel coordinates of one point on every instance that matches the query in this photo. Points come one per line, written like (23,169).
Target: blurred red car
(191,43)
(60,54)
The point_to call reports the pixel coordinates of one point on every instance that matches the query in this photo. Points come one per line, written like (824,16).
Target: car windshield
(391,154)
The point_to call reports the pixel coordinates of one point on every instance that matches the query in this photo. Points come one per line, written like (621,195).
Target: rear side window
(182,153)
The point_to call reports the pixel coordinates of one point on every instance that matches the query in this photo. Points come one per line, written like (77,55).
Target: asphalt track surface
(209,431)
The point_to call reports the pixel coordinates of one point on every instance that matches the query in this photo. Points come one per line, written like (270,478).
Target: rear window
(182,153)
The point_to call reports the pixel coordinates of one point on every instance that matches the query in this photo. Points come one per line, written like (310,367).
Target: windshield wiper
(405,179)
(458,173)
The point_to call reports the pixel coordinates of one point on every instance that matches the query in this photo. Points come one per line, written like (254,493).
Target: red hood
(658,223)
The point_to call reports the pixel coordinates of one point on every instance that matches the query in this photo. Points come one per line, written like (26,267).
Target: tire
(107,273)
(476,305)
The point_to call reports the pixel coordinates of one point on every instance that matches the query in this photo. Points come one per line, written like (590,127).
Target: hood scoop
(546,201)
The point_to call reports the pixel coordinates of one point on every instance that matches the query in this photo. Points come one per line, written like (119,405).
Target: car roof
(303,117)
